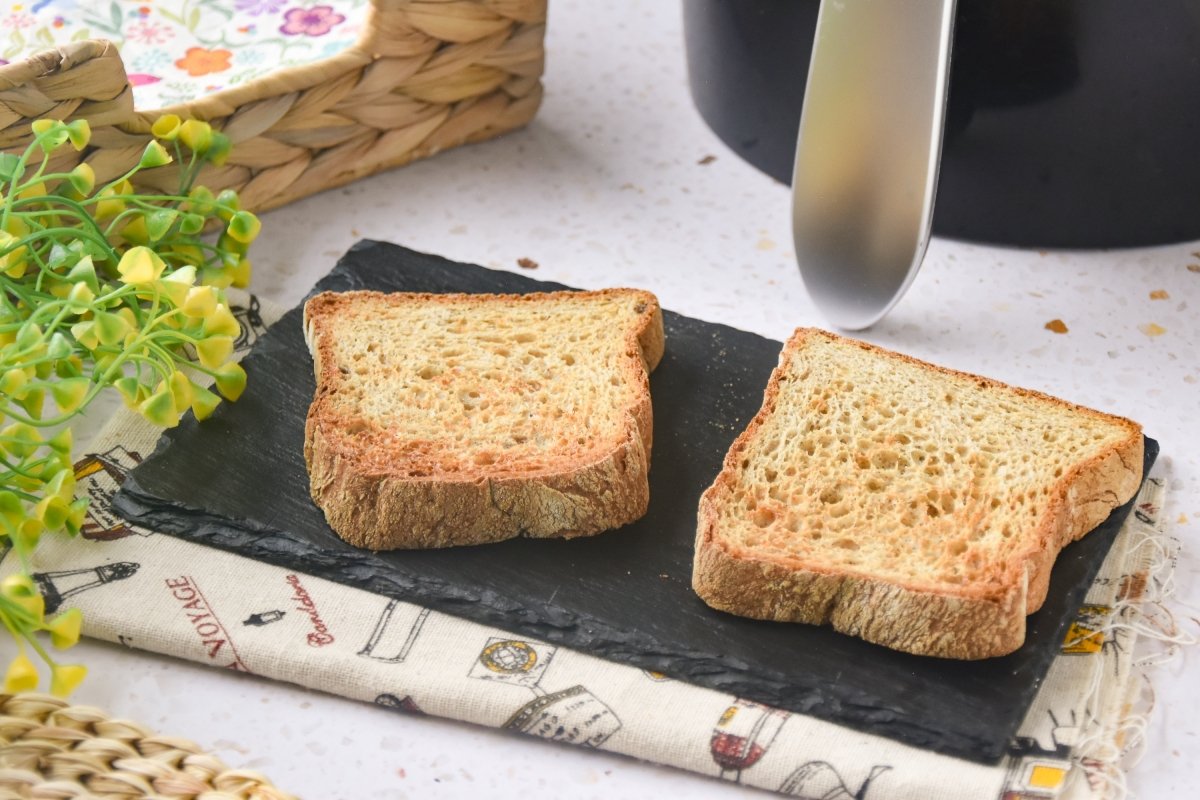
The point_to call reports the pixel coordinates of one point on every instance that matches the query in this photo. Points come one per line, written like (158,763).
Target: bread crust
(968,621)
(369,504)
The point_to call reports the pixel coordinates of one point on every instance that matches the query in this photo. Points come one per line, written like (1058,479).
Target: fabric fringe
(1143,615)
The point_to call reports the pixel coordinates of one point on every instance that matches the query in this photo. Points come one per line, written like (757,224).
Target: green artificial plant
(102,286)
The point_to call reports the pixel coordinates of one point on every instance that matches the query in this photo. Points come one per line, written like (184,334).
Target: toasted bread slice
(457,419)
(913,506)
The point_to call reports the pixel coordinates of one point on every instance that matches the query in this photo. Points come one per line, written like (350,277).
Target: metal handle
(867,153)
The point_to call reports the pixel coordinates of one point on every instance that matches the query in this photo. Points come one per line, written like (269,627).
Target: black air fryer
(1071,123)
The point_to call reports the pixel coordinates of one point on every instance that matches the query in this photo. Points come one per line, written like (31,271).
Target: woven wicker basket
(424,76)
(51,750)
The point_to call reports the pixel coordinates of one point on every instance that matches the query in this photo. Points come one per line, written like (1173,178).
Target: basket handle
(78,80)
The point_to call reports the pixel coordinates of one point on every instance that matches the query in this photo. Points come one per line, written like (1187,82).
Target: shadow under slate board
(238,482)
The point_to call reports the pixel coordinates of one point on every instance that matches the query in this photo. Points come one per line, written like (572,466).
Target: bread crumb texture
(915,506)
(457,419)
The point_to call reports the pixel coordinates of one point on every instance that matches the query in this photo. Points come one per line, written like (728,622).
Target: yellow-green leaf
(201,301)
(12,256)
(158,223)
(228,203)
(13,381)
(33,401)
(62,482)
(61,443)
(231,381)
(77,516)
(110,328)
(216,277)
(64,629)
(86,334)
(80,133)
(22,595)
(200,199)
(103,362)
(166,127)
(65,678)
(82,179)
(221,322)
(191,224)
(181,390)
(231,249)
(159,409)
(204,402)
(69,393)
(134,231)
(218,151)
(50,134)
(22,675)
(240,275)
(31,192)
(244,227)
(29,335)
(140,265)
(11,168)
(110,202)
(84,272)
(20,440)
(25,539)
(130,390)
(196,136)
(185,275)
(155,155)
(69,367)
(80,297)
(52,511)
(58,346)
(214,351)
(18,584)
(175,291)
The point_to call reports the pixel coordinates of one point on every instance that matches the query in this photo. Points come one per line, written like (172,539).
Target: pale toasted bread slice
(907,504)
(453,419)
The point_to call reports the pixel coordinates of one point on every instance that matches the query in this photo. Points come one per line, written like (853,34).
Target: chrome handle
(867,152)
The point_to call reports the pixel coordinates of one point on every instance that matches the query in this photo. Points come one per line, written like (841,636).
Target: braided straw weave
(50,750)
(424,76)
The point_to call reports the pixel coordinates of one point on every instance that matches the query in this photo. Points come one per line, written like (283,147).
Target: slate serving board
(238,482)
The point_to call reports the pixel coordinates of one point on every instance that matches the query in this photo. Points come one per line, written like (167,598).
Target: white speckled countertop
(606,188)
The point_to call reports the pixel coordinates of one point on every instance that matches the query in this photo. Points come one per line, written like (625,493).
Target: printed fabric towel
(234,613)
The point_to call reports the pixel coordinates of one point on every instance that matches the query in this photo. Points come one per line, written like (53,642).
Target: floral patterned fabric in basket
(178,50)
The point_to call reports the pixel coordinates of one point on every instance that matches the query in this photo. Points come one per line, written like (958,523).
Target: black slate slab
(238,482)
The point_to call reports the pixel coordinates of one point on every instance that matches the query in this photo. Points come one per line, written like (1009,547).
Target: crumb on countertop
(1152,329)
(525,262)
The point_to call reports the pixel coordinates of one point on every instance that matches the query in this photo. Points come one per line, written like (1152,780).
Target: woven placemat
(52,750)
